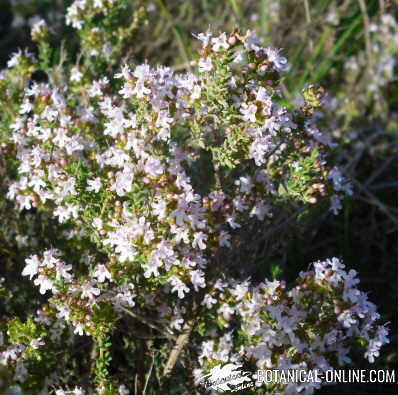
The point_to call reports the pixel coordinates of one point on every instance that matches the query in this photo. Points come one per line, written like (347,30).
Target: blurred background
(350,48)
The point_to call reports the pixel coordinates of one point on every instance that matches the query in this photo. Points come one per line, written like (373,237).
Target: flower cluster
(311,326)
(163,173)
(120,164)
(383,32)
(94,20)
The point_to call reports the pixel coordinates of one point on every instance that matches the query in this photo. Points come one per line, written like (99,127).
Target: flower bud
(232,40)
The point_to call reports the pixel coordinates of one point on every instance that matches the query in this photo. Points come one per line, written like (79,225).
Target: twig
(308,18)
(105,204)
(149,323)
(149,374)
(354,162)
(377,202)
(136,384)
(382,7)
(368,46)
(284,222)
(181,342)
(380,170)
(384,185)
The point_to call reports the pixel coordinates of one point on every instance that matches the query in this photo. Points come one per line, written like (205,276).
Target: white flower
(239,204)
(44,282)
(15,59)
(101,273)
(176,323)
(124,181)
(245,184)
(347,319)
(240,58)
(178,286)
(198,279)
(62,270)
(39,26)
(209,301)
(259,148)
(89,291)
(199,240)
(204,37)
(226,310)
(36,343)
(75,74)
(78,391)
(66,212)
(205,64)
(79,328)
(125,296)
(340,183)
(280,63)
(123,390)
(335,204)
(231,220)
(224,239)
(63,312)
(97,223)
(272,286)
(32,266)
(260,210)
(94,185)
(240,290)
(153,166)
(50,258)
(159,208)
(181,234)
(25,201)
(252,41)
(151,269)
(26,107)
(220,42)
(249,112)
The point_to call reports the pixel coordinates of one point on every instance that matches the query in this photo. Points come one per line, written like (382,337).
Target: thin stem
(149,374)
(382,7)
(308,19)
(384,185)
(366,23)
(380,170)
(136,384)
(373,199)
(147,322)
(180,343)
